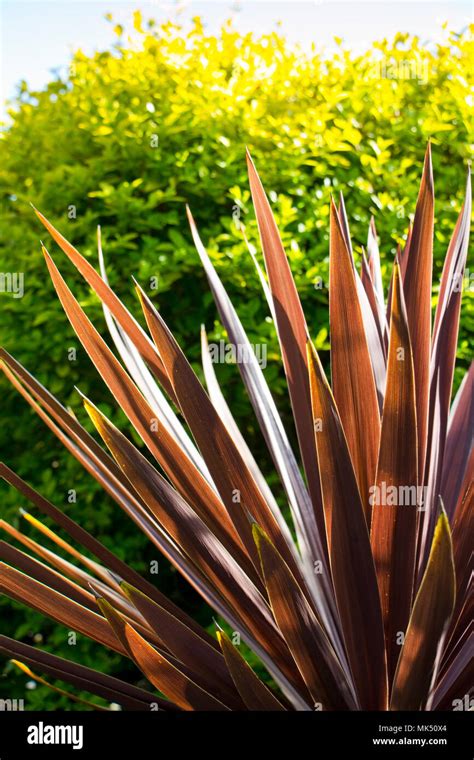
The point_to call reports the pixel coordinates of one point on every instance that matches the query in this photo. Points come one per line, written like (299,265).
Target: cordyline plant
(369,608)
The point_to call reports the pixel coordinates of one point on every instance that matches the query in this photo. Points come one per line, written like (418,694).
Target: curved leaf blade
(205,661)
(352,565)
(292,331)
(110,688)
(429,620)
(353,381)
(417,276)
(394,523)
(253,691)
(156,667)
(323,674)
(443,357)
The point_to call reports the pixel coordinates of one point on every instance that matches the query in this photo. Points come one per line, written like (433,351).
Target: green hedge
(133,133)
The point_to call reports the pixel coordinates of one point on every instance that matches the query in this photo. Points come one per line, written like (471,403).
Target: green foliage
(132,134)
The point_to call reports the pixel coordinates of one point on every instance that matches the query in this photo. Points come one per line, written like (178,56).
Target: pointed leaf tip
(258,534)
(94,591)
(94,413)
(428,168)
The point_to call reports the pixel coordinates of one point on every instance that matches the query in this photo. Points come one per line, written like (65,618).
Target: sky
(38,36)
